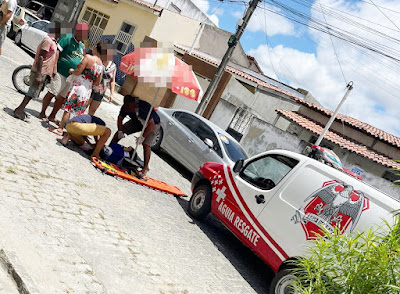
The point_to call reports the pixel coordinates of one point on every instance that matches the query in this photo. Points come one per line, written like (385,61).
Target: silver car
(193,140)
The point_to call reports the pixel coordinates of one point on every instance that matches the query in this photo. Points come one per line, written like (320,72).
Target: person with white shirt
(7,9)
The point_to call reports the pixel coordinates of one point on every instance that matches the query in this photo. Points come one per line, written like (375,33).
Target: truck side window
(266,172)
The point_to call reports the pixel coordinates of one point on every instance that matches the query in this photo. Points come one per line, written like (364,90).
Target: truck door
(259,180)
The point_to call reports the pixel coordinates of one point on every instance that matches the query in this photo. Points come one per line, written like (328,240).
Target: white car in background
(193,140)
(30,35)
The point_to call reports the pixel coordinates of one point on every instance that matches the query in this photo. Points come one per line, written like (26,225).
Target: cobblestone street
(72,229)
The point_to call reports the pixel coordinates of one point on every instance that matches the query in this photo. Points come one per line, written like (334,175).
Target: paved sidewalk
(75,230)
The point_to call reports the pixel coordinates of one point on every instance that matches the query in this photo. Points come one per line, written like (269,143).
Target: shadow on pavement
(32,112)
(10,112)
(175,165)
(250,266)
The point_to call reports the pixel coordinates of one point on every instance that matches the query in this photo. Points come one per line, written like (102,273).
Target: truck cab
(277,201)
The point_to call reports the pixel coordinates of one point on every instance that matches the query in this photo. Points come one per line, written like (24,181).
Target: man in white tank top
(7,10)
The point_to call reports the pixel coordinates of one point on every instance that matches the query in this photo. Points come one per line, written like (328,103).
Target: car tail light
(21,22)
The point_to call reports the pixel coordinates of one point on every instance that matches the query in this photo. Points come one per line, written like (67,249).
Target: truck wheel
(200,202)
(281,283)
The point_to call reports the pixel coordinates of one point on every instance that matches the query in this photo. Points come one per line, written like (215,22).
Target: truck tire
(280,284)
(200,203)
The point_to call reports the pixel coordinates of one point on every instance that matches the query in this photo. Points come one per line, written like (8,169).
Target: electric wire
(384,14)
(334,48)
(374,50)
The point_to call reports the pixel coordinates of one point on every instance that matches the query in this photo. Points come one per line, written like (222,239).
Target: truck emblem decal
(336,204)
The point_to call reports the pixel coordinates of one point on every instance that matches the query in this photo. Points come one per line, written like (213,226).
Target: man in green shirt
(72,51)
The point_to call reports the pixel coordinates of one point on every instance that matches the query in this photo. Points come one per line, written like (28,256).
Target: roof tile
(339,140)
(371,130)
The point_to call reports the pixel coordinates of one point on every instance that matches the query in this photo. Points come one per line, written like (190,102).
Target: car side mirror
(238,166)
(29,23)
(209,143)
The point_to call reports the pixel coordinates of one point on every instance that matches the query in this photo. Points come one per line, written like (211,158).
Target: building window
(124,37)
(392,176)
(97,23)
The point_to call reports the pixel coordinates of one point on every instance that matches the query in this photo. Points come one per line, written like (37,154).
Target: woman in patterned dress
(85,76)
(106,52)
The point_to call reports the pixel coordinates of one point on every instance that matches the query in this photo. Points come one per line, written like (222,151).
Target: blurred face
(108,53)
(81,32)
(130,107)
(54,31)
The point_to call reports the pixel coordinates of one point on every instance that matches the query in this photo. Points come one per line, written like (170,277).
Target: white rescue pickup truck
(276,201)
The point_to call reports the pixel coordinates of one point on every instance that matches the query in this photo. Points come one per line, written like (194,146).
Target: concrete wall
(214,42)
(237,94)
(266,103)
(223,114)
(262,136)
(174,28)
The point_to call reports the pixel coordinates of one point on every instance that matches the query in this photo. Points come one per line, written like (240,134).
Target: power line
(334,49)
(384,14)
(338,33)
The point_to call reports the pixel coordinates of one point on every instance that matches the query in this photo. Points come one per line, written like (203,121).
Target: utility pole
(233,40)
(328,125)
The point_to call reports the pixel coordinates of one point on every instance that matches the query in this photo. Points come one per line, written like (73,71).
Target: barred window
(97,22)
(124,37)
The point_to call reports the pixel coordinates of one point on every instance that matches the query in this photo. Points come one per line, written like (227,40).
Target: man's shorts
(60,85)
(78,130)
(3,34)
(35,88)
(131,127)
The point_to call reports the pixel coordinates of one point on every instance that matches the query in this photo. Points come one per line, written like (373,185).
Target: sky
(321,62)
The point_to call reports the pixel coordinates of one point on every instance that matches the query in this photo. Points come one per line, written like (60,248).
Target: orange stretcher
(114,170)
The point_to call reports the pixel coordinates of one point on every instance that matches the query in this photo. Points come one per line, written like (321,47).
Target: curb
(24,283)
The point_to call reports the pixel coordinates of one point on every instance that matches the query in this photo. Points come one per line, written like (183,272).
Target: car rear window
(234,150)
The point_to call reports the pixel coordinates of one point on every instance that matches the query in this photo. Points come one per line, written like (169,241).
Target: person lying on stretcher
(115,153)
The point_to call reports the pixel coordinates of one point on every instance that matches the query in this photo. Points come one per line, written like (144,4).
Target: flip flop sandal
(54,131)
(55,121)
(59,141)
(24,116)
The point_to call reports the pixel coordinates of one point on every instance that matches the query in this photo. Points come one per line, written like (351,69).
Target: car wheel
(156,144)
(281,283)
(18,38)
(11,33)
(200,202)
